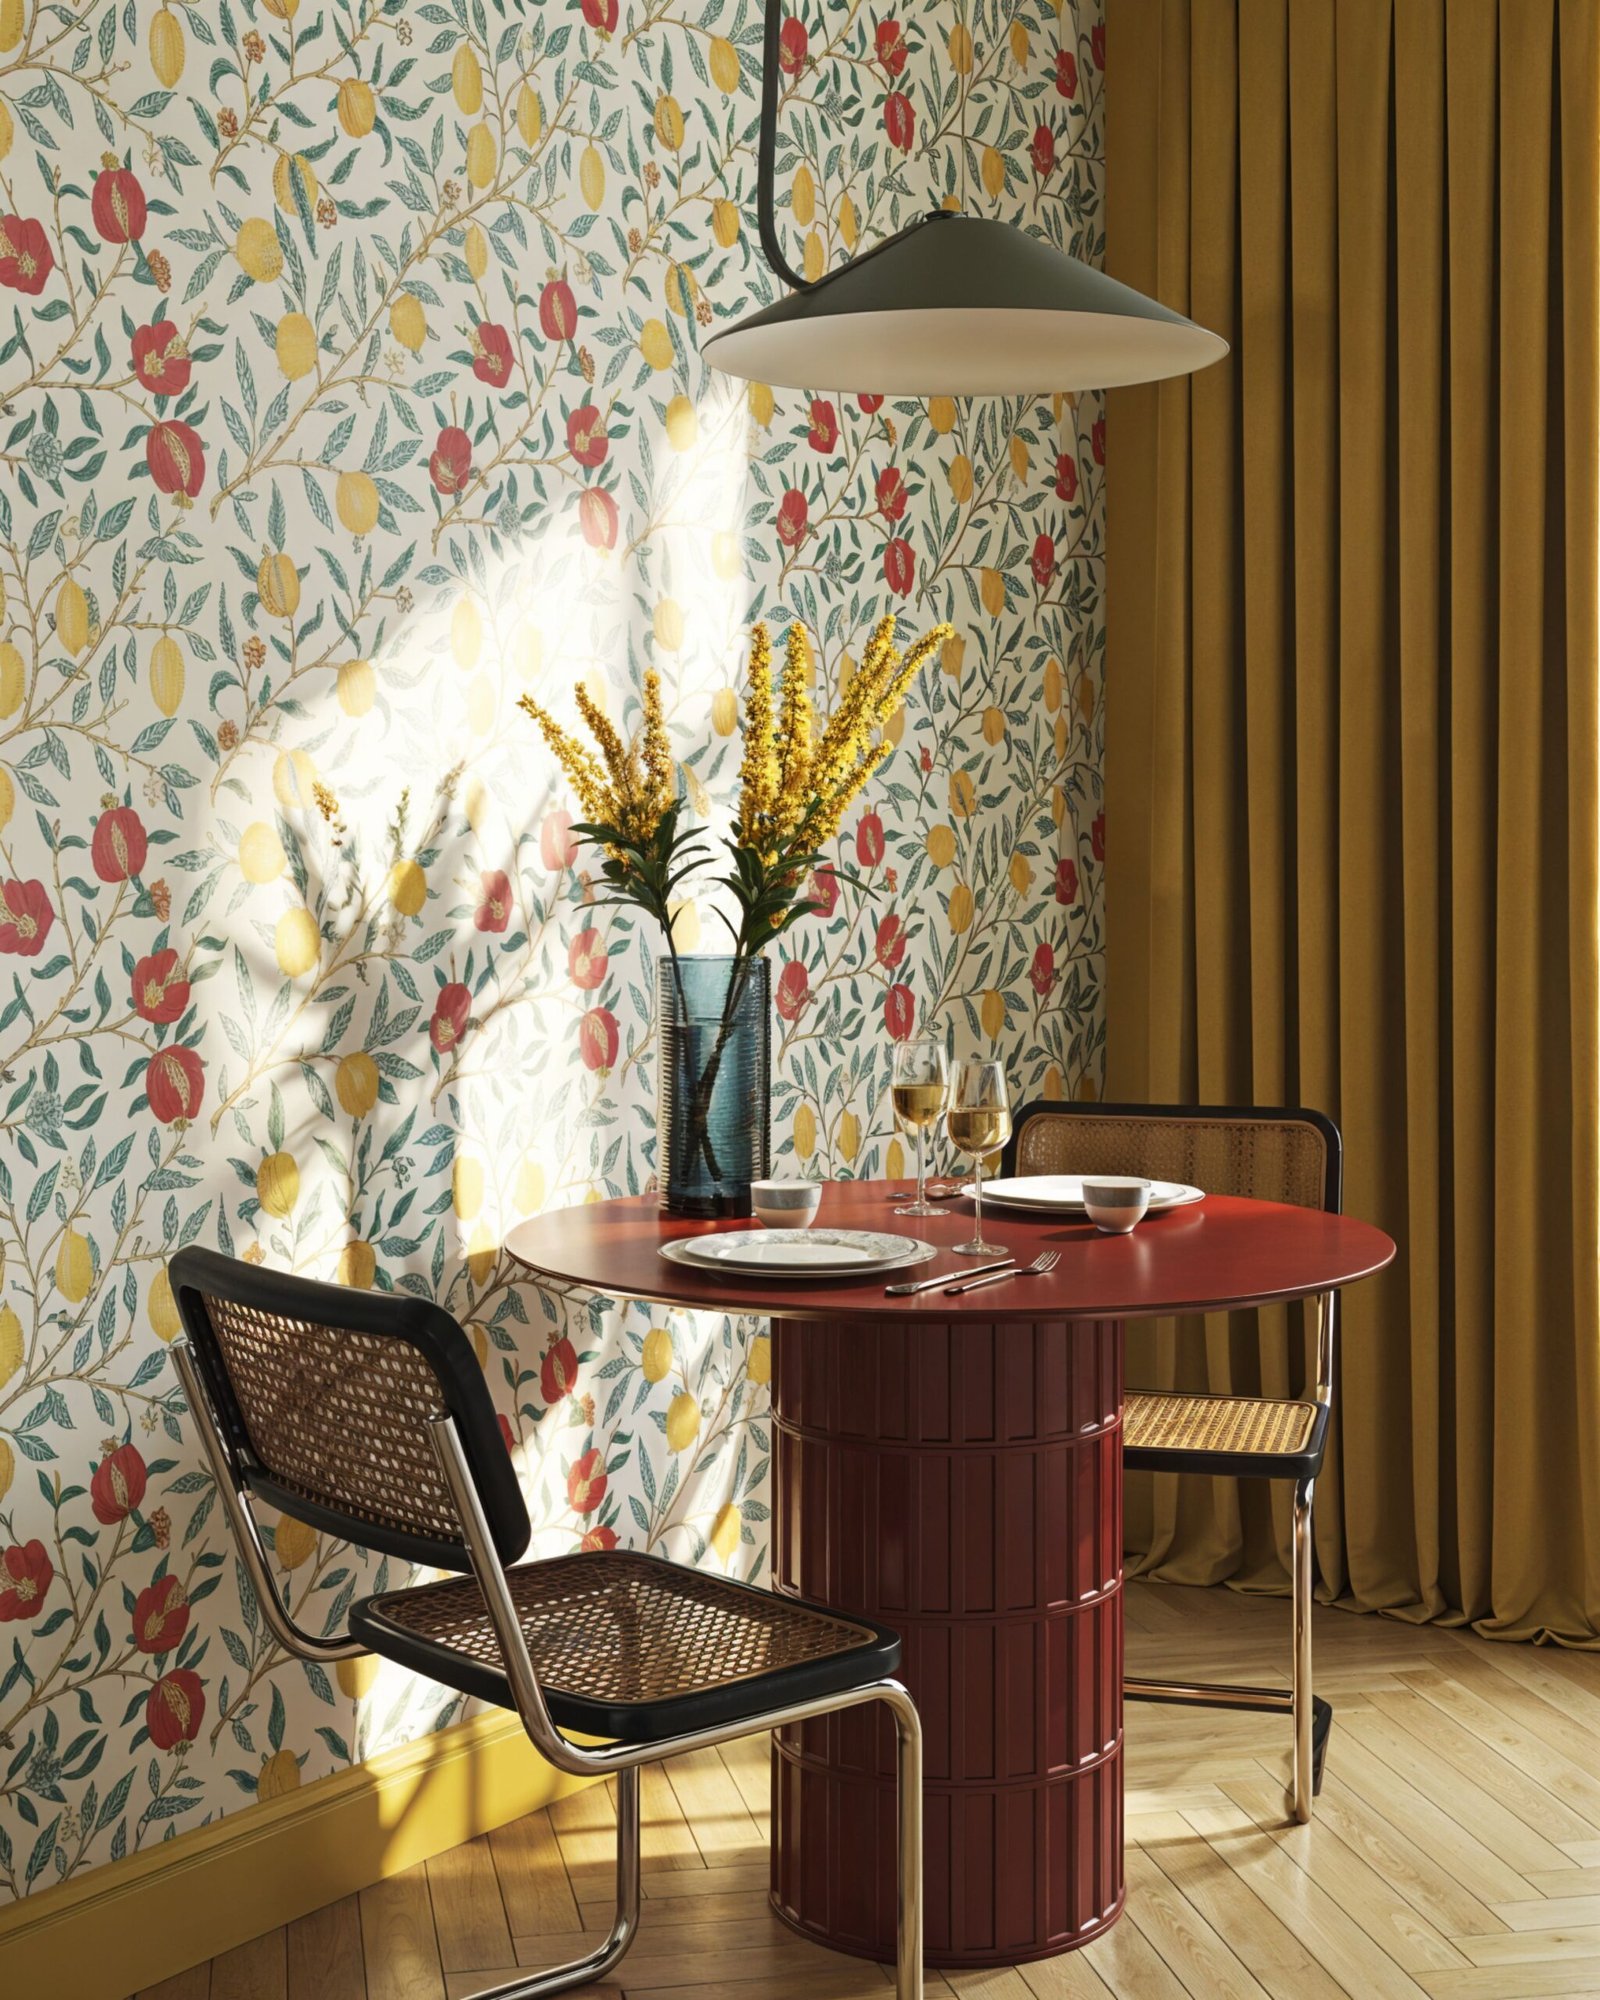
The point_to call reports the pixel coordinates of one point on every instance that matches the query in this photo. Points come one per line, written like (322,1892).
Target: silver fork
(1046,1260)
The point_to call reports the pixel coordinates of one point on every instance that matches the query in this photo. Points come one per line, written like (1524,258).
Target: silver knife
(944,1278)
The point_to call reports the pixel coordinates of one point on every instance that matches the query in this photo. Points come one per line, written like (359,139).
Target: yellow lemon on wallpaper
(527,653)
(655,344)
(278,1183)
(357,108)
(894,1161)
(1052,684)
(466,633)
(992,592)
(941,845)
(358,1677)
(1052,1085)
(8,797)
(355,1083)
(992,168)
(959,474)
(466,1187)
(358,687)
(724,711)
(482,705)
(667,624)
(1083,695)
(355,501)
(530,115)
(1062,734)
(992,1012)
(482,1253)
(724,64)
(8,1468)
(466,80)
(815,260)
(895,728)
(280,1774)
(166,674)
(282,10)
(849,1137)
(960,46)
(1021,873)
(803,196)
(293,1542)
(805,1132)
(1087,1090)
(295,345)
(725,554)
(293,779)
(358,1265)
(74,1267)
(483,154)
(408,322)
(72,616)
(1020,49)
(682,289)
(13,678)
(682,424)
(994,725)
(1058,804)
(261,856)
(762,404)
(278,585)
(726,222)
(592,176)
(528,1191)
(683,1421)
(963,794)
(1021,463)
(759,1364)
(960,908)
(725,1530)
(161,1308)
(13,18)
(8,131)
(166,46)
(475,249)
(289,169)
(942,414)
(11,1346)
(954,655)
(669,122)
(297,942)
(656,1360)
(258,250)
(408,888)
(684,917)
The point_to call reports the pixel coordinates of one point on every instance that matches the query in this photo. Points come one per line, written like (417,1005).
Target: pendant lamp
(954,305)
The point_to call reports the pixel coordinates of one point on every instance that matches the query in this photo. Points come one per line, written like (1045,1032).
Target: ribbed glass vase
(713,1085)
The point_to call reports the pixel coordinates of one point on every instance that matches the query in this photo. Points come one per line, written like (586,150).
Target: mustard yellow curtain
(1352,728)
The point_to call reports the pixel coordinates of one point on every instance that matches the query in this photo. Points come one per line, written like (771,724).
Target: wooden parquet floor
(1455,1853)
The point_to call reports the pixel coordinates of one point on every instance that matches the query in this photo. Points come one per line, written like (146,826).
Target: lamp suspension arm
(767,150)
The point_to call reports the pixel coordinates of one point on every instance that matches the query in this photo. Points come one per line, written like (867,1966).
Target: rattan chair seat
(628,1645)
(1248,1425)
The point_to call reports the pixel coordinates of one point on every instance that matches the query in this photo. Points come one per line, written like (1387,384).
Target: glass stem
(922,1166)
(977,1198)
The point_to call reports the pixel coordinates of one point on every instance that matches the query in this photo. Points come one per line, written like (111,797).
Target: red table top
(1220,1254)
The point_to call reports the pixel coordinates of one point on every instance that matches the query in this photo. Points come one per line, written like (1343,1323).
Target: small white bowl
(1115,1203)
(786,1204)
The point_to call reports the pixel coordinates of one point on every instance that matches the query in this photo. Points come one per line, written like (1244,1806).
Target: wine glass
(978,1120)
(918,1087)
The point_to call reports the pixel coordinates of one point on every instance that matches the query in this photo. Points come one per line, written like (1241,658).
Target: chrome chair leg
(1304,1777)
(908,1844)
(624,1928)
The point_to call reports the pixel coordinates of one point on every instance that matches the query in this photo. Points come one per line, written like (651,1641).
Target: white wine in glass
(978,1122)
(918,1089)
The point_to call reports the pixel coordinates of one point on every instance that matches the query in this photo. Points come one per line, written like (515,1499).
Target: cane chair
(364,1414)
(1287,1156)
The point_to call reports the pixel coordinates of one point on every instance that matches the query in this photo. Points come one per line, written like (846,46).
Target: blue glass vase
(713,1084)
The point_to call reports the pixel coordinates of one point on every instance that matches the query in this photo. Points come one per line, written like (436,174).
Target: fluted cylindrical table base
(963,1484)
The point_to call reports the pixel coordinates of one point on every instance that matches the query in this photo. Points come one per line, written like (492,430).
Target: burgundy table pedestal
(963,1484)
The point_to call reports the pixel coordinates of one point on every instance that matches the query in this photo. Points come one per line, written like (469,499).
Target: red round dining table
(953,1468)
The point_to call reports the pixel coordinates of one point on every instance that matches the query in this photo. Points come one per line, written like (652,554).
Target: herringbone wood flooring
(1455,1854)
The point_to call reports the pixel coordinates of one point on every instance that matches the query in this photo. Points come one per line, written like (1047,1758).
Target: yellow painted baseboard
(131,1923)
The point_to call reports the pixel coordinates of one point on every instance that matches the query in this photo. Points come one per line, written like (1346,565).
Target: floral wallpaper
(350,383)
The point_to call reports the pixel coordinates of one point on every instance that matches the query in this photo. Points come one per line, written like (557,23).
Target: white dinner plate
(798,1253)
(1057,1194)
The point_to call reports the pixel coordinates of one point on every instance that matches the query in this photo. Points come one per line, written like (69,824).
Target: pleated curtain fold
(1353,743)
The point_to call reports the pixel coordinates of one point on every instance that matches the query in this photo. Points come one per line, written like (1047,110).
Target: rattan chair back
(1287,1156)
(324,1394)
